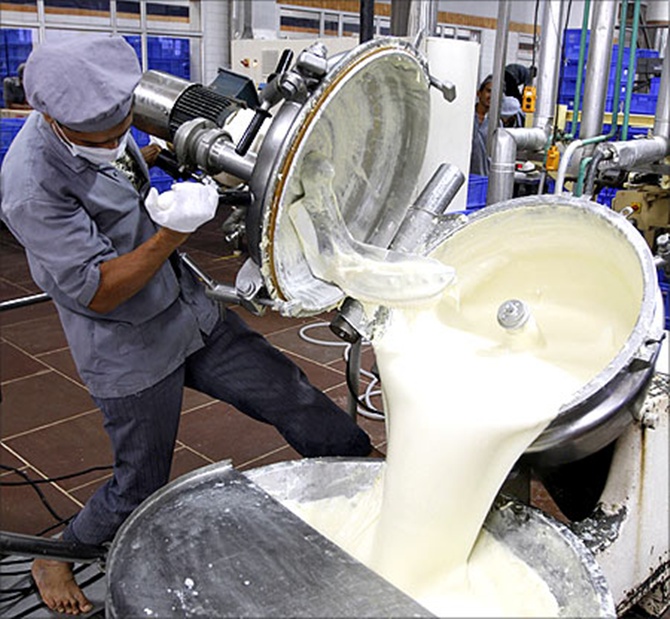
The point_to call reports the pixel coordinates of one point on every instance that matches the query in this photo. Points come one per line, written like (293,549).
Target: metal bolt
(513,314)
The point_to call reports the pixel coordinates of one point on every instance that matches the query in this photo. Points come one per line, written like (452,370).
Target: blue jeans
(236,365)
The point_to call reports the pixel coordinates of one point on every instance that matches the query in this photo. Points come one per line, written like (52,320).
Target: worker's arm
(124,276)
(178,212)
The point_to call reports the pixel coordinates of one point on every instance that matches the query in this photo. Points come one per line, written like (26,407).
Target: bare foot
(58,588)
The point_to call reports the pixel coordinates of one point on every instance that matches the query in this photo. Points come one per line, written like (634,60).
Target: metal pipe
(580,64)
(367,21)
(548,65)
(502,28)
(662,121)
(501,175)
(503,155)
(24,301)
(422,18)
(40,547)
(626,155)
(631,70)
(435,198)
(597,68)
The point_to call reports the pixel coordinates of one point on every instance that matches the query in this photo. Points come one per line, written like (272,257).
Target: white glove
(184,208)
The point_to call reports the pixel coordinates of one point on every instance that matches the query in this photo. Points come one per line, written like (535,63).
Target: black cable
(40,494)
(48,480)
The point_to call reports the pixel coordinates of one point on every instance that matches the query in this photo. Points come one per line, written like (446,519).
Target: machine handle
(251,131)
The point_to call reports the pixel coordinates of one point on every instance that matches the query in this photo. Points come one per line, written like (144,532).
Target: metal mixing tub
(609,402)
(219,543)
(546,545)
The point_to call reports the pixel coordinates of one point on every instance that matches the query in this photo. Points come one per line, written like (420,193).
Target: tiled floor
(50,427)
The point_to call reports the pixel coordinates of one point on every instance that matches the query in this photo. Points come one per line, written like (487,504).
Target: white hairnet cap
(510,106)
(85,82)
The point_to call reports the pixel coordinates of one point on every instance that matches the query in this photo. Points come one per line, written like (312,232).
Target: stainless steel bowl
(607,403)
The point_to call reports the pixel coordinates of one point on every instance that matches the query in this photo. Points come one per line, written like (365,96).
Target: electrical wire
(34,486)
(48,480)
(364,403)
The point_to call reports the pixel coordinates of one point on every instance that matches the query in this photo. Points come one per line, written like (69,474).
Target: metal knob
(513,314)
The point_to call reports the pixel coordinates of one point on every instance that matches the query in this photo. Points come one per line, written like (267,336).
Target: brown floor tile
(65,448)
(84,492)
(195,399)
(29,403)
(13,265)
(37,336)
(220,432)
(26,314)
(22,511)
(540,498)
(8,459)
(185,461)
(279,455)
(62,361)
(16,364)
(11,290)
(270,322)
(290,340)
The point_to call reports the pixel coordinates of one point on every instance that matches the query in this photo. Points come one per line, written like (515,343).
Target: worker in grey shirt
(139,325)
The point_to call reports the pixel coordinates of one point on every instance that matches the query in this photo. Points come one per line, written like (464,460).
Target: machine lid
(369,117)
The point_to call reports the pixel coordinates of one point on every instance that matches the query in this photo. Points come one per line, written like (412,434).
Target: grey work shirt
(72,215)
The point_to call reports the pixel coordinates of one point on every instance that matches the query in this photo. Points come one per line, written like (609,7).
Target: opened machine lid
(369,117)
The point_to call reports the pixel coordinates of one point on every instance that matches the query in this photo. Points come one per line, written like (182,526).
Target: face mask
(95,154)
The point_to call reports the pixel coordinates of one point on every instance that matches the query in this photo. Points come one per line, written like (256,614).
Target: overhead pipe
(506,142)
(597,68)
(631,70)
(662,119)
(411,18)
(580,64)
(578,144)
(367,21)
(502,28)
(634,153)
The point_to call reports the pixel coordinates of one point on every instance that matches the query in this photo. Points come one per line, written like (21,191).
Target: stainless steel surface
(155,97)
(604,407)
(634,153)
(597,67)
(662,116)
(546,545)
(507,142)
(369,116)
(502,28)
(548,64)
(513,314)
(214,544)
(503,159)
(433,200)
(199,143)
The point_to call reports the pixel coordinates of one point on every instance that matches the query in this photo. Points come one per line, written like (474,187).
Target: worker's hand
(184,208)
(150,153)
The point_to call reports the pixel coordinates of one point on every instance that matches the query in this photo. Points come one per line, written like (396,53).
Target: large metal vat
(218,543)
(550,241)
